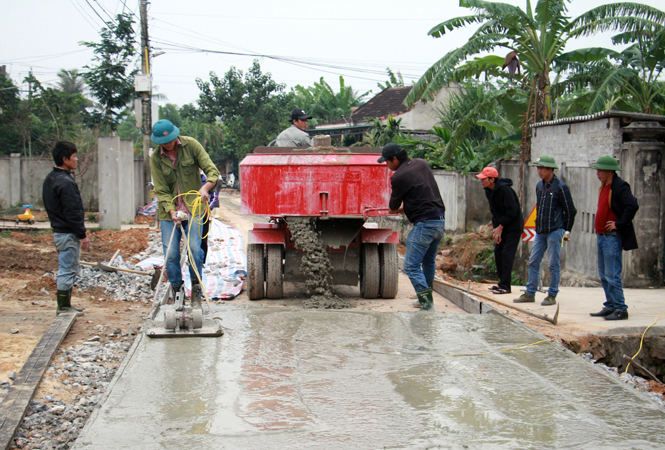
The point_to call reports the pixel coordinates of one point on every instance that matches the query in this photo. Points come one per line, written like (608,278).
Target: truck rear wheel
(274,283)
(255,271)
(388,262)
(369,271)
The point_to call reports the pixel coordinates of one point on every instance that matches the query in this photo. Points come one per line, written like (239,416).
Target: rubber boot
(196,296)
(64,299)
(426,300)
(416,303)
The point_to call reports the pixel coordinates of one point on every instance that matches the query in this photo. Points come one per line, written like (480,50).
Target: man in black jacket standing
(62,201)
(614,231)
(555,216)
(507,222)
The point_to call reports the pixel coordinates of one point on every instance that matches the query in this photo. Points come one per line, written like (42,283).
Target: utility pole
(146,101)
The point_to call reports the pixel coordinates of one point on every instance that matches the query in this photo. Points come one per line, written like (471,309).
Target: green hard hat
(606,163)
(546,161)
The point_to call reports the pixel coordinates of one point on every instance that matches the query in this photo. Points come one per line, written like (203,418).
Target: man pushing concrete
(414,192)
(175,165)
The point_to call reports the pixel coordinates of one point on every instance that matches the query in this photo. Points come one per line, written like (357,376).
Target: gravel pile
(79,375)
(122,286)
(638,383)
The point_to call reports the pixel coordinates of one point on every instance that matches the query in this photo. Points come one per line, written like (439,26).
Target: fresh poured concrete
(309,379)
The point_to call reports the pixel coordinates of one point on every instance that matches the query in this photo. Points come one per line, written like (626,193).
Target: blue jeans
(421,247)
(552,243)
(69,254)
(609,270)
(172,260)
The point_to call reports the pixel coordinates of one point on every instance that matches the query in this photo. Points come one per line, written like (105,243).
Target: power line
(309,19)
(104,9)
(296,61)
(93,8)
(80,10)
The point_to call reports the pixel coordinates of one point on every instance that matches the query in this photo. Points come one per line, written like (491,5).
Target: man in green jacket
(175,165)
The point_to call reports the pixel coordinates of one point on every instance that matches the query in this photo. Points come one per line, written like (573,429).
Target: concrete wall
(578,143)
(116,175)
(21,181)
(576,147)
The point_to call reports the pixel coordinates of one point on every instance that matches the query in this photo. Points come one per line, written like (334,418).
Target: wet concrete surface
(296,379)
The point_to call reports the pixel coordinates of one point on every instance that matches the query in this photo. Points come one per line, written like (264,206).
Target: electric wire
(642,340)
(297,62)
(201,214)
(83,14)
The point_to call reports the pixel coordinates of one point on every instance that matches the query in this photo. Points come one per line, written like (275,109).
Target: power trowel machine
(179,319)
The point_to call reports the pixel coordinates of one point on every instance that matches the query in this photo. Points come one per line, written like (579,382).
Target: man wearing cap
(175,168)
(414,192)
(507,222)
(614,231)
(295,135)
(555,215)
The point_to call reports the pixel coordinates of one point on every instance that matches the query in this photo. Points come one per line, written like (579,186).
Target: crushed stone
(79,374)
(634,381)
(315,265)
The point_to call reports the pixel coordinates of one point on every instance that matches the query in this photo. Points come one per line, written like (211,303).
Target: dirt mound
(129,242)
(141,219)
(27,259)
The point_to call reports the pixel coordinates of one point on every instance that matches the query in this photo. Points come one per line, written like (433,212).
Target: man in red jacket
(614,231)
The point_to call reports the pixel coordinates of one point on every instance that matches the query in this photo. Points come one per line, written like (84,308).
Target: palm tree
(71,81)
(537,36)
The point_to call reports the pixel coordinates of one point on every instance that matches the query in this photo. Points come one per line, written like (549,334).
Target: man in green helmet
(555,215)
(614,231)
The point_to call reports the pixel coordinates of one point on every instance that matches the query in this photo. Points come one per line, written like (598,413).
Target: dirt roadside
(27,295)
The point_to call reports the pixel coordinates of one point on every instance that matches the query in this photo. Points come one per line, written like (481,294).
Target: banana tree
(324,104)
(535,37)
(630,78)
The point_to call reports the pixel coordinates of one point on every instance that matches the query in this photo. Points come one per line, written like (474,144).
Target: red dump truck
(340,189)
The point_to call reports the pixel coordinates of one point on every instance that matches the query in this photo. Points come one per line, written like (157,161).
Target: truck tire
(274,280)
(255,271)
(388,262)
(369,271)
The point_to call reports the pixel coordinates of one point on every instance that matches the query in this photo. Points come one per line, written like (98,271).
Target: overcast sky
(354,38)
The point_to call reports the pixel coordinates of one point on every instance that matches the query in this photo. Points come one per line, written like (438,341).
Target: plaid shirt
(554,206)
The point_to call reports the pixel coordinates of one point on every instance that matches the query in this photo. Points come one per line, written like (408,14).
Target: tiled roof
(600,115)
(388,102)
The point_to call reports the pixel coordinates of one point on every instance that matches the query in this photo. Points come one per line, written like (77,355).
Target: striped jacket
(554,206)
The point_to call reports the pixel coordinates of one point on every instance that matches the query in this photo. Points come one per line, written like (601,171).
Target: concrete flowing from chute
(315,265)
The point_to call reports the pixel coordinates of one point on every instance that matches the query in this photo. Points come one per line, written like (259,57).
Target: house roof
(600,115)
(387,102)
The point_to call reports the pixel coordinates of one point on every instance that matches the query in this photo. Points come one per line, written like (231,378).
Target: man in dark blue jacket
(63,204)
(507,222)
(614,230)
(555,215)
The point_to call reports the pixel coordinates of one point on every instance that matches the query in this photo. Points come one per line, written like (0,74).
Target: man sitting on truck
(295,135)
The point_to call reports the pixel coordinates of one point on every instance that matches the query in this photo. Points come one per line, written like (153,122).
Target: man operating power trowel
(175,165)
